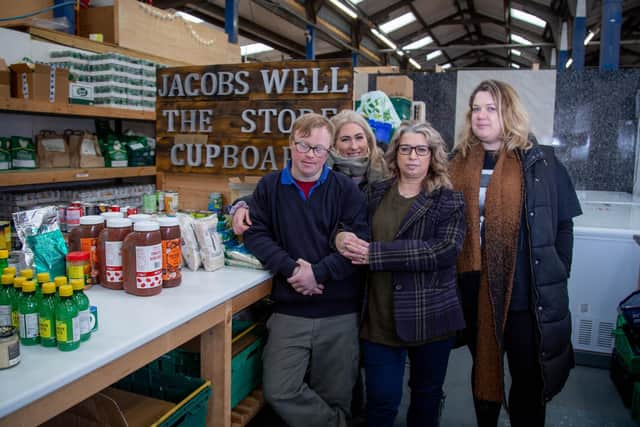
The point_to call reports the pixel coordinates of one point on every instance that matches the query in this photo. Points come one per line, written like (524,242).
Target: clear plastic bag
(43,245)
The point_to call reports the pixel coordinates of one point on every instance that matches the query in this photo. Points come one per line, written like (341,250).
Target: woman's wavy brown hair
(438,174)
(514,120)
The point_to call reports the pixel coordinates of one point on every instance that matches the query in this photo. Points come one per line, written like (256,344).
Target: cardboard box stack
(5,80)
(39,82)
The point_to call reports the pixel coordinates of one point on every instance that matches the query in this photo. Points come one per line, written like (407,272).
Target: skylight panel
(384,38)
(418,43)
(344,8)
(528,18)
(398,22)
(414,63)
(519,39)
(433,55)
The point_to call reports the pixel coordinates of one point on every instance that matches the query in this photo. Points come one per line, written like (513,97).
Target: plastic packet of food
(42,241)
(210,243)
(190,249)
(376,105)
(241,253)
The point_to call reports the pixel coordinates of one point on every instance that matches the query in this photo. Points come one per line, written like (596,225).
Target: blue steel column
(231,20)
(610,35)
(579,33)
(311,42)
(563,53)
(354,59)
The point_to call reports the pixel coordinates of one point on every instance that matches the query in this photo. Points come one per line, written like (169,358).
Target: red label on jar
(149,266)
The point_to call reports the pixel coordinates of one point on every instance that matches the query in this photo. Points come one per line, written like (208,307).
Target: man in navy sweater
(311,357)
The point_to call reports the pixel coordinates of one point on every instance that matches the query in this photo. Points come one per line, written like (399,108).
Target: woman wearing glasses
(412,309)
(354,153)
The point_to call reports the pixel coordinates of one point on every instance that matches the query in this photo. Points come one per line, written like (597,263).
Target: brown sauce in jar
(84,238)
(171,252)
(110,251)
(142,259)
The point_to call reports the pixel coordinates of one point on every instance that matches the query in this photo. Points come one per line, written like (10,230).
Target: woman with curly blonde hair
(516,257)
(411,302)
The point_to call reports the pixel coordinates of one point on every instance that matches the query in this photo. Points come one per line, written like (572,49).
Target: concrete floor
(589,399)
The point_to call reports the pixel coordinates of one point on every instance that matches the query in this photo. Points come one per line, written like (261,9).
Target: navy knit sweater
(286,226)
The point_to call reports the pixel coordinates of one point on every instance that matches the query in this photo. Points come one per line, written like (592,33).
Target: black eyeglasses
(421,150)
(303,147)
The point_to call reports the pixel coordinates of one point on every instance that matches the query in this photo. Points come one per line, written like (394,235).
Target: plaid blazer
(422,259)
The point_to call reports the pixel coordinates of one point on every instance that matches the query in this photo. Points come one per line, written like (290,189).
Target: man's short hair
(307,122)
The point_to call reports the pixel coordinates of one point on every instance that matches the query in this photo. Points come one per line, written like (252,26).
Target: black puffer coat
(549,200)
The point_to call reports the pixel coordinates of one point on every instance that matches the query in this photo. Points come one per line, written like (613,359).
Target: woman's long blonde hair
(514,120)
(438,175)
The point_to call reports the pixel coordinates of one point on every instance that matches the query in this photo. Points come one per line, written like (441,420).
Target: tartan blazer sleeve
(416,249)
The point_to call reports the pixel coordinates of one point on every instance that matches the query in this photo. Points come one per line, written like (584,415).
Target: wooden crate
(139,26)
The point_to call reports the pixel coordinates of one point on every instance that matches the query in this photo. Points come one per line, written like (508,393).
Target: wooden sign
(236,119)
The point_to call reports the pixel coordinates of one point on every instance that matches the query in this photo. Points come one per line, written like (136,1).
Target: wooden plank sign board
(236,119)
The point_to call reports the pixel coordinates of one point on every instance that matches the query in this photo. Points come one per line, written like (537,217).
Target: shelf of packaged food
(57,175)
(20,105)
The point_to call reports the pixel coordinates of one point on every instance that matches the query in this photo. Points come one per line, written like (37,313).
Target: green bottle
(67,321)
(15,302)
(28,314)
(82,304)
(4,259)
(9,270)
(47,315)
(42,278)
(59,281)
(6,297)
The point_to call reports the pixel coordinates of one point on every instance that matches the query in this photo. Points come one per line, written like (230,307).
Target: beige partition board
(142,27)
(194,189)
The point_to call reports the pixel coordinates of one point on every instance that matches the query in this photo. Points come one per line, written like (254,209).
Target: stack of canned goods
(69,215)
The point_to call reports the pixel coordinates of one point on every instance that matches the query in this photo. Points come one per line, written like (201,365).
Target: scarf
(495,260)
(358,168)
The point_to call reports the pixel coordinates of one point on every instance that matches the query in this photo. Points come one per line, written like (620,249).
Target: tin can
(93,322)
(73,216)
(149,203)
(90,209)
(131,210)
(9,347)
(160,199)
(171,202)
(114,208)
(62,218)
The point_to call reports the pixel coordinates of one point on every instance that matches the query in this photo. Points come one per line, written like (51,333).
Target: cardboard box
(40,82)
(395,86)
(97,20)
(114,408)
(5,80)
(12,8)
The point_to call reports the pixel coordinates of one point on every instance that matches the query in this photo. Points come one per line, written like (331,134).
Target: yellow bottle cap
(27,272)
(29,286)
(18,281)
(9,270)
(43,277)
(7,279)
(66,291)
(49,288)
(77,284)
(60,280)
(4,253)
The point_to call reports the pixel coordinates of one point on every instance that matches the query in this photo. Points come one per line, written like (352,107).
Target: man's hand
(241,221)
(303,280)
(352,247)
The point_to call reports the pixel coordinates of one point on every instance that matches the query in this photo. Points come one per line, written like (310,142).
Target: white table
(132,332)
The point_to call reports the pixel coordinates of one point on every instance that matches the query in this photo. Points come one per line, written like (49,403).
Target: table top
(125,322)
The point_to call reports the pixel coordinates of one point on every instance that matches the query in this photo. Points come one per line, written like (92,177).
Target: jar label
(14,354)
(89,244)
(68,331)
(85,321)
(113,261)
(171,258)
(149,266)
